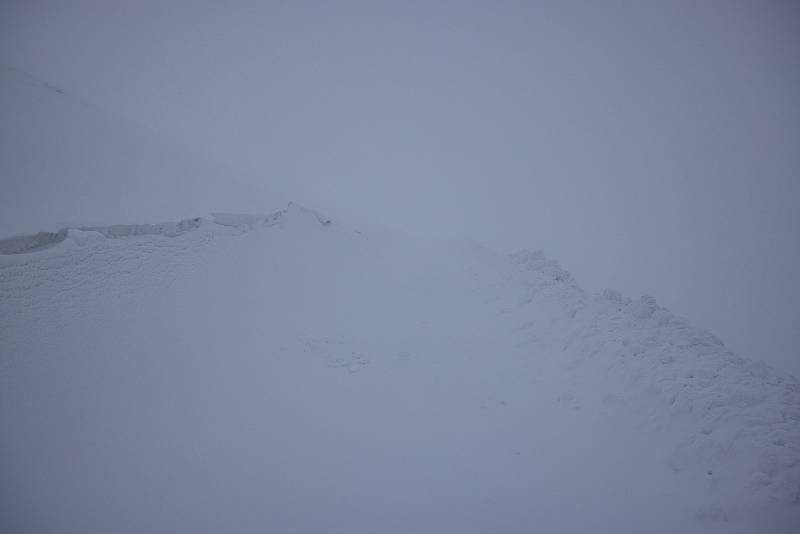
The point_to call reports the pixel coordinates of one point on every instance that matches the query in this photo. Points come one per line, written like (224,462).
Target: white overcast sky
(652,147)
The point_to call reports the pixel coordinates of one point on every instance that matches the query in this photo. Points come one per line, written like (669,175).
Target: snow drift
(282,373)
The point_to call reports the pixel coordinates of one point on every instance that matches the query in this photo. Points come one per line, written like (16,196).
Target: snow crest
(737,421)
(44,240)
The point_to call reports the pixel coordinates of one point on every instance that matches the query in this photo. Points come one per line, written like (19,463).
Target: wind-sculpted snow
(735,422)
(31,243)
(254,221)
(44,240)
(280,373)
(169,229)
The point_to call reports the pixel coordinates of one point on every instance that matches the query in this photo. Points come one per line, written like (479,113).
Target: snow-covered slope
(64,162)
(282,373)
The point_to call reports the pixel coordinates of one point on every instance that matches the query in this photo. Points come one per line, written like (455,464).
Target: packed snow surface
(282,373)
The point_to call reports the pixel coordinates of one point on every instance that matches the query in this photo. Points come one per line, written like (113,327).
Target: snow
(285,373)
(64,162)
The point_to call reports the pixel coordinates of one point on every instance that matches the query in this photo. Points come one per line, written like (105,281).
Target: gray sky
(649,146)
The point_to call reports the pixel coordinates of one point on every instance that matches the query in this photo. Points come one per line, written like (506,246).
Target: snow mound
(730,421)
(549,270)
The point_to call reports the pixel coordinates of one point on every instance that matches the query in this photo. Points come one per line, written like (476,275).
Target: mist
(650,147)
(277,267)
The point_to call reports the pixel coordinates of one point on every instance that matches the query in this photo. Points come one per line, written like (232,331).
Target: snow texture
(282,373)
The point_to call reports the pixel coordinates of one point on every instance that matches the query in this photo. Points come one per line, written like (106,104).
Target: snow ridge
(44,240)
(738,420)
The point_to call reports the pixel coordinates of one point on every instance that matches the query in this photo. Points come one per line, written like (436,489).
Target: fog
(650,147)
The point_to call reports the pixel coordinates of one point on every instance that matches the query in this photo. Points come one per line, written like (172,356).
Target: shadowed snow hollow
(282,373)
